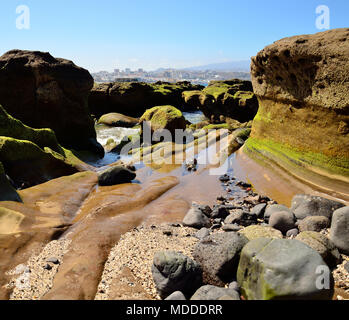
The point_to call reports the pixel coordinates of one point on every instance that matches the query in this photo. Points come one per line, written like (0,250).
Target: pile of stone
(253,248)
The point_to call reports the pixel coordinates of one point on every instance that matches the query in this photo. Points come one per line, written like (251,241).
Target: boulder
(134,98)
(282,220)
(209,292)
(241,218)
(339,232)
(218,255)
(270,209)
(302,87)
(304,205)
(220,212)
(163,117)
(173,271)
(196,219)
(32,156)
(229,99)
(257,231)
(115,175)
(28,165)
(322,245)
(259,210)
(314,223)
(118,120)
(275,269)
(47,92)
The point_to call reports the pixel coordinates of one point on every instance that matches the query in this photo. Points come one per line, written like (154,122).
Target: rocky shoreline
(82,220)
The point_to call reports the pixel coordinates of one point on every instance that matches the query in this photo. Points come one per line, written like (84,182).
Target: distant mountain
(230,66)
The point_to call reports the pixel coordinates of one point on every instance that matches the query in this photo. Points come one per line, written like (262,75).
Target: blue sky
(108,34)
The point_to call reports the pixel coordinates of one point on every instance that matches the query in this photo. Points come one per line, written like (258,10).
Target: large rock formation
(302,84)
(162,118)
(133,98)
(32,156)
(47,92)
(224,100)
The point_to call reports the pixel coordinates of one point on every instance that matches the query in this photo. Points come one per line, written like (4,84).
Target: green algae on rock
(27,164)
(221,101)
(302,86)
(281,269)
(133,98)
(164,117)
(47,92)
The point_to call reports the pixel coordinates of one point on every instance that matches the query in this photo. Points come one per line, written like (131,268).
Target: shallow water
(194,117)
(266,178)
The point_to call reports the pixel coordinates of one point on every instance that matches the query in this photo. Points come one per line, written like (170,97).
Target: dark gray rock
(283,221)
(314,223)
(209,292)
(115,175)
(176,296)
(292,233)
(202,233)
(259,210)
(53,260)
(220,212)
(173,271)
(322,245)
(206,210)
(196,219)
(273,269)
(339,233)
(242,218)
(218,255)
(306,205)
(270,209)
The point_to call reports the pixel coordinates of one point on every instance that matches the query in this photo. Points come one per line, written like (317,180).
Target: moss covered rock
(27,164)
(134,98)
(118,120)
(302,86)
(276,269)
(224,100)
(47,92)
(164,117)
(257,231)
(11,127)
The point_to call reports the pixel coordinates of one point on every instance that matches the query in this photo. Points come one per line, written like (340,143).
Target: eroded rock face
(47,92)
(302,84)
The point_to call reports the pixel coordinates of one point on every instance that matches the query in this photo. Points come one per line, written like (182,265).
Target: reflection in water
(266,179)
